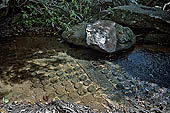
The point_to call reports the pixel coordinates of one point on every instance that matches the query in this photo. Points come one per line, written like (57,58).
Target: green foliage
(32,16)
(63,14)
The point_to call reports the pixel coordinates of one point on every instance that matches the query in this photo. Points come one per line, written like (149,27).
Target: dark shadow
(84,53)
(16,51)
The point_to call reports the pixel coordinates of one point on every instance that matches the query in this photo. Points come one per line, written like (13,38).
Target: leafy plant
(61,14)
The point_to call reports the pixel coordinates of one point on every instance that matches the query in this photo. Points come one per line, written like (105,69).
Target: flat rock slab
(139,17)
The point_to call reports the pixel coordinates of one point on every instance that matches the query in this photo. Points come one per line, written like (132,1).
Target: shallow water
(142,71)
(148,64)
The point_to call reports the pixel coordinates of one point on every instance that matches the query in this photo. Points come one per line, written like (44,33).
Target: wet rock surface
(97,6)
(139,17)
(36,70)
(103,35)
(161,38)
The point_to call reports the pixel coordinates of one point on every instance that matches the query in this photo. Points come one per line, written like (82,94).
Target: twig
(165,5)
(19,5)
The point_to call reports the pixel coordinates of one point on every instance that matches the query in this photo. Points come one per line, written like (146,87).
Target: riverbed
(41,69)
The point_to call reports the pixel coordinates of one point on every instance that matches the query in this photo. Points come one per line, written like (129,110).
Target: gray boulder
(99,5)
(114,3)
(103,35)
(138,17)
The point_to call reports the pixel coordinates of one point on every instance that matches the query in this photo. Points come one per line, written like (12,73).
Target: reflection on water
(149,64)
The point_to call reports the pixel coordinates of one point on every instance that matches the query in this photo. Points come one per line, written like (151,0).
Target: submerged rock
(138,17)
(103,35)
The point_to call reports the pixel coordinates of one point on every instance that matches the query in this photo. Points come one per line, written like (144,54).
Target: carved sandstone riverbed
(40,69)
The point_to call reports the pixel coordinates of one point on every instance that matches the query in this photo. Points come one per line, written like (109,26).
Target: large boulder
(138,16)
(114,3)
(103,35)
(99,5)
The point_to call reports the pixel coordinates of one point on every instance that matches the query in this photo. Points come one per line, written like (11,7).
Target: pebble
(33,74)
(74,80)
(77,68)
(52,60)
(119,79)
(109,76)
(81,91)
(62,58)
(91,88)
(78,85)
(83,78)
(69,86)
(87,82)
(45,82)
(70,60)
(70,76)
(68,71)
(104,71)
(119,86)
(40,72)
(65,98)
(54,80)
(61,90)
(73,95)
(79,73)
(51,75)
(59,73)
(115,73)
(32,69)
(127,76)
(37,84)
(63,78)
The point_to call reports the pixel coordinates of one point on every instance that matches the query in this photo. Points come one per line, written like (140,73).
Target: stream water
(37,67)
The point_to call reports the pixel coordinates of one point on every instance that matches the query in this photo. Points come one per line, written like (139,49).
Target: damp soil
(39,68)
